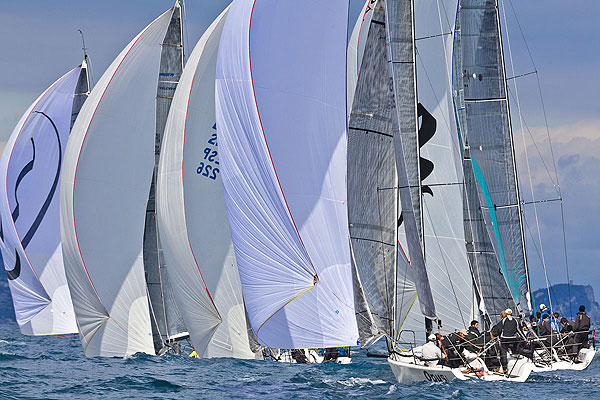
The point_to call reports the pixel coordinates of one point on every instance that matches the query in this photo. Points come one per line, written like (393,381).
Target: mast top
(85,56)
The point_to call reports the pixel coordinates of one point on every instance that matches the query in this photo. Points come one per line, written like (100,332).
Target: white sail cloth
(29,207)
(281,117)
(191,212)
(105,184)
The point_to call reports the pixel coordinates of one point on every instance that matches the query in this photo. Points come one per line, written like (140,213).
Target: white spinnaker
(445,251)
(29,208)
(191,212)
(356,48)
(105,183)
(281,115)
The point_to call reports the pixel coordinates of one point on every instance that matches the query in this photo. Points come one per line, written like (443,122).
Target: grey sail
(167,323)
(82,90)
(401,68)
(372,187)
(485,129)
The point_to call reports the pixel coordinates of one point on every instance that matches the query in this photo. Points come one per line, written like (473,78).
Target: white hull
(407,372)
(585,357)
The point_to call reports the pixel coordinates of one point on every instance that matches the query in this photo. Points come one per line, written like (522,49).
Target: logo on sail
(16,271)
(426,132)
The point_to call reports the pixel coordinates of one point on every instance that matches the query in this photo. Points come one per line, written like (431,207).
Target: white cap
(542,307)
(463,331)
(431,337)
(508,311)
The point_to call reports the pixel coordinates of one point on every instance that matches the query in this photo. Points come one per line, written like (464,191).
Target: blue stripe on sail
(512,285)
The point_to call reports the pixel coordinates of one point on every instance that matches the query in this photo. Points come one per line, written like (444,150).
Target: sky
(41,43)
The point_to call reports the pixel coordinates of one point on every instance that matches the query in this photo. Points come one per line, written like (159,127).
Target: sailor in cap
(432,354)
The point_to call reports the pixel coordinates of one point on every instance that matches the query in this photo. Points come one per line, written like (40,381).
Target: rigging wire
(526,154)
(557,185)
(187,39)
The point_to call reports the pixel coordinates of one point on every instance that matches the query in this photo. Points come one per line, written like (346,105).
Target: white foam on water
(392,389)
(352,381)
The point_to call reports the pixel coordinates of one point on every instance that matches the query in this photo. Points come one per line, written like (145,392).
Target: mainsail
(167,323)
(29,208)
(192,217)
(489,160)
(281,118)
(105,183)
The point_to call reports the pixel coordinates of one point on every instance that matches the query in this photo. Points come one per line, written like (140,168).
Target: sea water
(55,368)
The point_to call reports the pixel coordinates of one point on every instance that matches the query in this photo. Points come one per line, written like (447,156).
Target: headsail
(104,189)
(281,116)
(29,208)
(440,169)
(483,113)
(401,67)
(191,212)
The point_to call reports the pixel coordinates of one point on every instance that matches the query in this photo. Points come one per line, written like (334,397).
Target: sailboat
(29,207)
(281,121)
(191,212)
(385,137)
(121,293)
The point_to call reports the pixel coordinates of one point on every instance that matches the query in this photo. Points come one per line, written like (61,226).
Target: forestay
(192,216)
(281,115)
(29,207)
(482,102)
(104,189)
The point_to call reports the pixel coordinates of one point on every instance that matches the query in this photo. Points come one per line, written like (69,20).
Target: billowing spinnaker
(483,112)
(440,170)
(281,118)
(29,207)
(105,184)
(192,216)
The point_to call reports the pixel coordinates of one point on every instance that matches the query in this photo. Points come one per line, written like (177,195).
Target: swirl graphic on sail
(426,132)
(16,271)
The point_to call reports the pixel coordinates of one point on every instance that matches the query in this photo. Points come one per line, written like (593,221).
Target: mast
(167,323)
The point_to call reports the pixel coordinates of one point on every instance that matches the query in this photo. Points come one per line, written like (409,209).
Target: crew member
(432,354)
(581,327)
(509,339)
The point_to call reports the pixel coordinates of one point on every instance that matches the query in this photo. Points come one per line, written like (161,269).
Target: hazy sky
(41,42)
